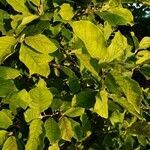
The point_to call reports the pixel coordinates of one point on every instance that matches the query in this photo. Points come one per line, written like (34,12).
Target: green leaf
(116,117)
(89,63)
(74,112)
(35,134)
(19,6)
(125,104)
(28,19)
(52,130)
(117,47)
(85,99)
(7,44)
(3,137)
(145,43)
(21,99)
(41,98)
(91,36)
(116,16)
(10,144)
(36,63)
(140,128)
(66,129)
(6,87)
(8,73)
(143,57)
(101,104)
(77,129)
(131,90)
(41,43)
(5,120)
(31,114)
(66,11)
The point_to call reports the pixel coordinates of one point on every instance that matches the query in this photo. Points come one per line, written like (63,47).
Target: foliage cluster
(68,76)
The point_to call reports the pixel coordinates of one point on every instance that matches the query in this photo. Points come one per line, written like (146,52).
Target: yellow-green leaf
(91,36)
(66,11)
(35,132)
(19,6)
(145,43)
(5,120)
(10,144)
(8,73)
(101,104)
(41,43)
(6,46)
(36,63)
(66,129)
(52,130)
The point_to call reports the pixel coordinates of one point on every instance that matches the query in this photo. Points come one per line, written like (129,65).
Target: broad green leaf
(6,87)
(31,114)
(66,11)
(35,131)
(85,99)
(21,99)
(143,57)
(36,63)
(28,19)
(41,43)
(8,73)
(116,117)
(140,128)
(5,120)
(3,137)
(77,129)
(91,36)
(7,44)
(125,104)
(101,104)
(74,112)
(66,129)
(41,98)
(131,90)
(117,16)
(10,144)
(19,6)
(89,63)
(54,147)
(117,47)
(52,130)
(145,43)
